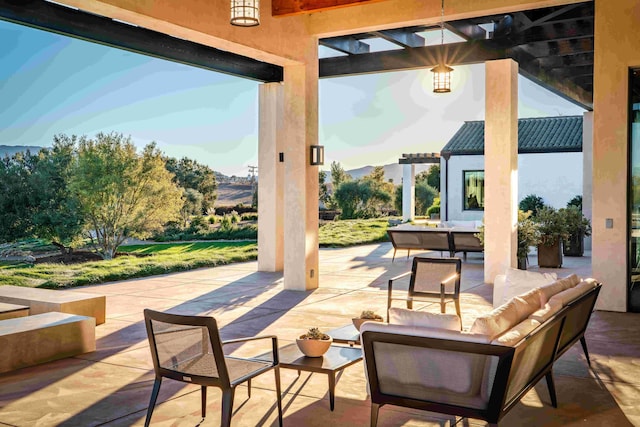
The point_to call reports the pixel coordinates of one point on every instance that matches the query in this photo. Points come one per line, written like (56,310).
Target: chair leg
(152,401)
(276,371)
(249,387)
(410,304)
(394,255)
(203,393)
(227,407)
(408,253)
(456,301)
(584,348)
(443,306)
(374,414)
(552,389)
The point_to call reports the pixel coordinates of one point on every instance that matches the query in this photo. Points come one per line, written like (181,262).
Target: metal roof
(537,135)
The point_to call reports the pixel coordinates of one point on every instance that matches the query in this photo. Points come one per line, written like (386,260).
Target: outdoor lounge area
(112,385)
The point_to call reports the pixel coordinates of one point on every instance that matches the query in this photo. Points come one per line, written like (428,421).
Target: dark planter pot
(522,263)
(574,246)
(550,256)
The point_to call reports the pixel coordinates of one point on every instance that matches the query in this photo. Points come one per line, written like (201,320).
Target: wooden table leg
(332,388)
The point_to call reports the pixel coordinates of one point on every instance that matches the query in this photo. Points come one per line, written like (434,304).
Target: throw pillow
(527,303)
(406,317)
(497,321)
(517,333)
(520,281)
(545,312)
(546,292)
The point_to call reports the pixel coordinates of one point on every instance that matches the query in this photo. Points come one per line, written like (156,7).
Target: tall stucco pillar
(500,167)
(300,178)
(587,169)
(408,192)
(271,178)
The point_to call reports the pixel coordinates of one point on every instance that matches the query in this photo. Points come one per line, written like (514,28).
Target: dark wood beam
(554,32)
(466,30)
(401,37)
(564,88)
(471,52)
(558,48)
(573,72)
(74,23)
(550,16)
(296,7)
(345,44)
(577,60)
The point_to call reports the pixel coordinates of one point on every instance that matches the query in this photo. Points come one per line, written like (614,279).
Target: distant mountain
(392,171)
(10,150)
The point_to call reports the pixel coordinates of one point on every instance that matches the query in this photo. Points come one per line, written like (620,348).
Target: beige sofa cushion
(497,321)
(403,316)
(527,303)
(558,286)
(517,333)
(518,282)
(545,312)
(565,297)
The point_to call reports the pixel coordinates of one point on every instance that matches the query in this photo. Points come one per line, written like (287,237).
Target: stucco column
(408,192)
(300,178)
(500,167)
(587,169)
(271,178)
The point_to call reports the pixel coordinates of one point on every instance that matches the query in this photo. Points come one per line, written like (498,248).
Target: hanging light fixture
(442,72)
(245,13)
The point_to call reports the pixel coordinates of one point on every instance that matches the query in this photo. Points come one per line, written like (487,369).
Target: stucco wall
(556,177)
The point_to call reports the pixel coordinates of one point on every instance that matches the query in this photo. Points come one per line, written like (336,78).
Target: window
(473,190)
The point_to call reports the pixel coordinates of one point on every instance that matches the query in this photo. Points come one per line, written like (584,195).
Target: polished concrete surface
(112,385)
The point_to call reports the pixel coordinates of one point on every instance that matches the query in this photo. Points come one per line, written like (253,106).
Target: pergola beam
(401,37)
(349,45)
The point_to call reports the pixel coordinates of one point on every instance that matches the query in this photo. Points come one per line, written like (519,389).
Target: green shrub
(576,201)
(249,216)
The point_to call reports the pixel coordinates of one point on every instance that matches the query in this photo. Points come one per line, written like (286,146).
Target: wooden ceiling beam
(349,45)
(297,7)
(466,30)
(401,37)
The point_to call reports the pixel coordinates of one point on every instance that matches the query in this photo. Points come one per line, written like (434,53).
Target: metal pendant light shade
(441,78)
(245,13)
(442,72)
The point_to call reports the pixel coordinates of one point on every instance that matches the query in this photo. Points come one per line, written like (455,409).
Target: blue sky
(53,84)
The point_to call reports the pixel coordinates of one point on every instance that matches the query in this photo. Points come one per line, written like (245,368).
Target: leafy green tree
(191,174)
(359,198)
(16,209)
(323,195)
(192,205)
(122,193)
(424,195)
(532,203)
(379,185)
(338,175)
(56,214)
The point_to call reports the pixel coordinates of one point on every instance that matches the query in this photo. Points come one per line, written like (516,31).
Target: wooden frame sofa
(472,374)
(450,240)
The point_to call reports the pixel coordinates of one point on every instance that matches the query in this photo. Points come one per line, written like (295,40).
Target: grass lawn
(179,256)
(163,258)
(351,232)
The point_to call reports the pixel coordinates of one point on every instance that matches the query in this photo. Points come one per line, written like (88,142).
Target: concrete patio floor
(112,385)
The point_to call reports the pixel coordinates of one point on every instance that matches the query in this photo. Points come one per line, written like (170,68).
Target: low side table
(334,360)
(347,334)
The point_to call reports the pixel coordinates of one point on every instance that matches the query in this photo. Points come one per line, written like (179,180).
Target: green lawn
(168,257)
(163,258)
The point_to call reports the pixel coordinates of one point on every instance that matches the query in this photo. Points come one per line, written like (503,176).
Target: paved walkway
(112,385)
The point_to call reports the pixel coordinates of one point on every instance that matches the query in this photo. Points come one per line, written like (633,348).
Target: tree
(379,185)
(192,204)
(121,193)
(55,208)
(359,198)
(431,176)
(424,195)
(16,209)
(532,203)
(323,195)
(191,174)
(338,175)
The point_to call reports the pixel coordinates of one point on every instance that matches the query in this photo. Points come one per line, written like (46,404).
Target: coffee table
(334,360)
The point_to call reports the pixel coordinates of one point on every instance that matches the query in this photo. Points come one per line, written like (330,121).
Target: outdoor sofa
(423,361)
(451,240)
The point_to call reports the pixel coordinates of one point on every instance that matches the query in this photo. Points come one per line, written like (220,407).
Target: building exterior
(550,165)
(592,59)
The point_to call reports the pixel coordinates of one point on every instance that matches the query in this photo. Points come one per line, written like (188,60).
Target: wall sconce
(317,155)
(245,13)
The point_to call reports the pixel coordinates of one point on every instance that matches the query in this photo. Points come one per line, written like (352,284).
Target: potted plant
(578,226)
(553,230)
(314,343)
(528,235)
(365,316)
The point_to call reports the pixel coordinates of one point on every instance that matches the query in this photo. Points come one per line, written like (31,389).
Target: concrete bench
(46,300)
(10,311)
(30,340)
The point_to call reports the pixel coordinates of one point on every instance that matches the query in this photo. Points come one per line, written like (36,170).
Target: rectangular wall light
(317,155)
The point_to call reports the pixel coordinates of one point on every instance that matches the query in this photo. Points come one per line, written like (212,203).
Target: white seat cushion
(558,286)
(518,282)
(517,333)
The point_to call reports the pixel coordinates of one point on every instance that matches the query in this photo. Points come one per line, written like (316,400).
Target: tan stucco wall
(616,49)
